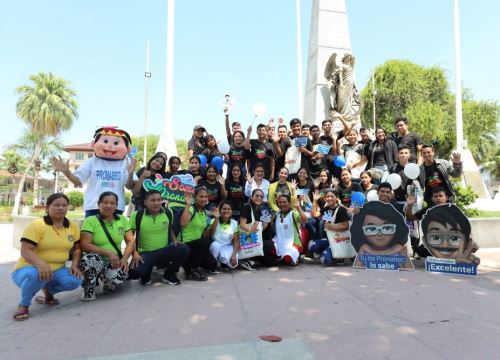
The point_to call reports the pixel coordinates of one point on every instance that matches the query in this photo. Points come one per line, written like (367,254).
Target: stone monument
(329,34)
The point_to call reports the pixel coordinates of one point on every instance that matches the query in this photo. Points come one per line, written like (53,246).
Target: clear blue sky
(246,48)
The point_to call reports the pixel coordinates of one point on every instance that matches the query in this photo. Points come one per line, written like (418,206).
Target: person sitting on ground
(155,166)
(225,232)
(101,240)
(281,187)
(156,243)
(339,222)
(45,247)
(287,239)
(250,223)
(193,223)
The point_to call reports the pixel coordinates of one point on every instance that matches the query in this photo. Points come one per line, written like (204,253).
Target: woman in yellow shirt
(45,247)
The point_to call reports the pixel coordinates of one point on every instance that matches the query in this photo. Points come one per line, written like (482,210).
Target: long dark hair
(383,211)
(157,156)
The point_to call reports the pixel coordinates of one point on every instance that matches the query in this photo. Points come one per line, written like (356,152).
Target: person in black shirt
(346,187)
(366,182)
(411,139)
(261,151)
(235,126)
(174,163)
(195,168)
(155,166)
(215,187)
(235,187)
(197,143)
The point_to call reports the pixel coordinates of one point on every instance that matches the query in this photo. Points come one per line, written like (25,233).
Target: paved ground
(321,313)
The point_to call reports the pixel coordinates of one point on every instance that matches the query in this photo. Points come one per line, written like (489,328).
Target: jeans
(27,279)
(169,258)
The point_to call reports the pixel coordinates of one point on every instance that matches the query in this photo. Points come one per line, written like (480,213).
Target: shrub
(464,196)
(75,198)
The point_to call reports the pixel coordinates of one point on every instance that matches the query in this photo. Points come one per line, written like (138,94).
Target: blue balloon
(339,161)
(218,162)
(358,197)
(203,160)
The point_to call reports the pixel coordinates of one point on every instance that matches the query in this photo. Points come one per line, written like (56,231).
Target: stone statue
(344,97)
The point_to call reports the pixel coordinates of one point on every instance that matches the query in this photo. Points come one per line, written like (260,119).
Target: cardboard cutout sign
(379,236)
(447,235)
(172,189)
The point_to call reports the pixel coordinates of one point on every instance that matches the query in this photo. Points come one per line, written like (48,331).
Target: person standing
(410,139)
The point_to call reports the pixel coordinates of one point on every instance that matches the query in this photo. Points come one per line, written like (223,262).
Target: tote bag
(340,242)
(251,244)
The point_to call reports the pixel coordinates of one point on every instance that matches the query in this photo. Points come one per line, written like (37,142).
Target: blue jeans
(27,279)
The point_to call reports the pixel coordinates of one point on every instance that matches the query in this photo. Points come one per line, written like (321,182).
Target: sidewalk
(320,312)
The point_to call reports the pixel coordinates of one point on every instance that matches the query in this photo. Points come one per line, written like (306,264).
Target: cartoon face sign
(111,147)
(378,232)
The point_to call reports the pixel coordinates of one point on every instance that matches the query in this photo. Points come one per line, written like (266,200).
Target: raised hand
(60,165)
(249,177)
(215,212)
(188,198)
(296,204)
(293,184)
(316,195)
(411,200)
(281,121)
(271,122)
(220,179)
(316,182)
(335,182)
(226,110)
(131,165)
(456,158)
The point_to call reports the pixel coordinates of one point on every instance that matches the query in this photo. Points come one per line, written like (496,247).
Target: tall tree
(422,94)
(49,147)
(48,106)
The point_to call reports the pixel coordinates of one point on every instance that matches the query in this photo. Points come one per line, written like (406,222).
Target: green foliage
(48,106)
(464,197)
(421,94)
(492,165)
(75,198)
(182,151)
(138,141)
(128,196)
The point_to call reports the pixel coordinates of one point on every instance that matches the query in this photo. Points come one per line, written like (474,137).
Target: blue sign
(382,262)
(323,149)
(449,266)
(301,141)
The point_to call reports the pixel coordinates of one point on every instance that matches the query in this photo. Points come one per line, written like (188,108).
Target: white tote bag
(251,245)
(293,159)
(340,242)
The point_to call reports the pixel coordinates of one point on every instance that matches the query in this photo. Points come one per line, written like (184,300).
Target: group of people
(274,195)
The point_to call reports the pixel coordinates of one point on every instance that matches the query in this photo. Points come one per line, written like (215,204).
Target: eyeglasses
(437,238)
(385,229)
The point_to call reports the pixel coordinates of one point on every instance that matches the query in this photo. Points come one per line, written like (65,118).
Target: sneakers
(170,279)
(146,280)
(196,276)
(247,265)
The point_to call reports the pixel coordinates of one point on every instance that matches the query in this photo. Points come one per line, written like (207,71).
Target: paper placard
(301,141)
(323,149)
(383,262)
(449,266)
(302,192)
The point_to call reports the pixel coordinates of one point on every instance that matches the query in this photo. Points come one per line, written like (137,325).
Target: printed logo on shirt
(71,238)
(434,180)
(107,184)
(108,175)
(260,154)
(236,191)
(121,231)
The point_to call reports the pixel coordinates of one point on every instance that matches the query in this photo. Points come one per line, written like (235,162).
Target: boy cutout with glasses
(380,230)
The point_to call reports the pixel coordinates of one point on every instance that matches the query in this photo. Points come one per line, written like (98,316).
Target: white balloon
(394,180)
(259,109)
(223,146)
(372,195)
(412,171)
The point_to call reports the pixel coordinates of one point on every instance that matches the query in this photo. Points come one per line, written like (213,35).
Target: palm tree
(48,106)
(49,147)
(492,165)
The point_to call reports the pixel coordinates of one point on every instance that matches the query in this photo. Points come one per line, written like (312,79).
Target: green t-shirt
(117,229)
(153,232)
(194,229)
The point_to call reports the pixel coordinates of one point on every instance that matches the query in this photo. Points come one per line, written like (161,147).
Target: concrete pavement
(321,313)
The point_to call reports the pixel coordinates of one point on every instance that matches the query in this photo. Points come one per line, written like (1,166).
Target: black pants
(199,256)
(169,258)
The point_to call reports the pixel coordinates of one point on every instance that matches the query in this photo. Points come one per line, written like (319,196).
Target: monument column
(329,33)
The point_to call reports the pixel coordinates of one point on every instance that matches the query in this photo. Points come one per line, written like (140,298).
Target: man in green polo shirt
(156,242)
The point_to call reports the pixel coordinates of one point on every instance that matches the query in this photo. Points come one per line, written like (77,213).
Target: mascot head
(111,143)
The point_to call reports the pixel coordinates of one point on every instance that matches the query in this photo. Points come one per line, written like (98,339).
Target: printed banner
(172,189)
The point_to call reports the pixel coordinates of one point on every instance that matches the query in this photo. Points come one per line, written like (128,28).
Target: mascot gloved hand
(108,170)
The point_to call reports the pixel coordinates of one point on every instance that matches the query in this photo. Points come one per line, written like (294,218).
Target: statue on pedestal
(344,97)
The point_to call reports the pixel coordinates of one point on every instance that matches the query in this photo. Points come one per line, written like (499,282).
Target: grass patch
(488,214)
(5,214)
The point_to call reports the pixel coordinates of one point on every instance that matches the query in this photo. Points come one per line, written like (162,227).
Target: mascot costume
(108,170)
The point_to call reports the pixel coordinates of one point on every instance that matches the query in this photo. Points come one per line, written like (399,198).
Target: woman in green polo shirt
(101,239)
(195,235)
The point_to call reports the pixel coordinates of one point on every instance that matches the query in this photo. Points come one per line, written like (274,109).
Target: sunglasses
(386,229)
